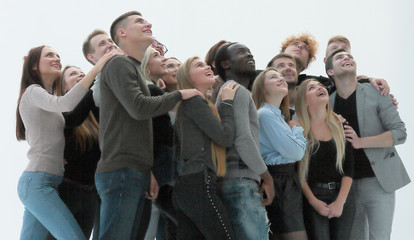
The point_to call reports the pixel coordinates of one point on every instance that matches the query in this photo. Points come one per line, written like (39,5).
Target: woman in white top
(41,123)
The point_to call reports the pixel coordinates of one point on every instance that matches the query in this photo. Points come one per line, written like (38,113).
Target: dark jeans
(83,202)
(319,227)
(200,212)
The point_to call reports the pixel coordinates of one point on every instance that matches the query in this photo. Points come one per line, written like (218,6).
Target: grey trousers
(374,210)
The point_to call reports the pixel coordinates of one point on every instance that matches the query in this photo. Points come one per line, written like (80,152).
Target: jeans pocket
(236,207)
(23,188)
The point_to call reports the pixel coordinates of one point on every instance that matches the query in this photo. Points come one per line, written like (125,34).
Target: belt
(330,185)
(282,168)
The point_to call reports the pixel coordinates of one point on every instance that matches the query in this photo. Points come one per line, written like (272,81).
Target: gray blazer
(377,114)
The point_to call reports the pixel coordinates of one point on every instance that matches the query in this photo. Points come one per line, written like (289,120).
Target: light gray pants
(374,210)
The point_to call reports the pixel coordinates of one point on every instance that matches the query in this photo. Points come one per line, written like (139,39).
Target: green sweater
(125,134)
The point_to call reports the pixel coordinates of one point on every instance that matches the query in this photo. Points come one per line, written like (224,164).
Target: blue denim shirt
(279,144)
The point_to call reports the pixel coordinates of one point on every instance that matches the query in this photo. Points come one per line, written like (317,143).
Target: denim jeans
(83,202)
(374,210)
(122,195)
(44,210)
(241,198)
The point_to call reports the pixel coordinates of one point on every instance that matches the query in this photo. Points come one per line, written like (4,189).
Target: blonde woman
(202,138)
(327,168)
(282,146)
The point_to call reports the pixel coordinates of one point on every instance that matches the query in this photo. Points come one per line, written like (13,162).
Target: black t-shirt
(348,109)
(322,164)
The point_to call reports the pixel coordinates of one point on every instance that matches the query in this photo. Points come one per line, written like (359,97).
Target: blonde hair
(259,96)
(218,153)
(312,144)
(87,133)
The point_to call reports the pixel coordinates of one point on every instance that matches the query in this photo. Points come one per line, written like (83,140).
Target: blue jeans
(122,195)
(83,202)
(241,199)
(44,210)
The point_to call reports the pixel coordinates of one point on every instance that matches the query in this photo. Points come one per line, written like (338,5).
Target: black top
(161,125)
(80,165)
(322,164)
(347,108)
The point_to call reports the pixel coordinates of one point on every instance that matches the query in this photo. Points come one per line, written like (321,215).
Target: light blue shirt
(97,91)
(279,144)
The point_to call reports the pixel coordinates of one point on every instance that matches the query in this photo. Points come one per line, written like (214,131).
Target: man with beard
(239,189)
(285,64)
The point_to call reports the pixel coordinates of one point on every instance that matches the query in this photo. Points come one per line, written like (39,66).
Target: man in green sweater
(125,137)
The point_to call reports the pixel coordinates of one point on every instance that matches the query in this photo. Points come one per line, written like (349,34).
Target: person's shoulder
(118,61)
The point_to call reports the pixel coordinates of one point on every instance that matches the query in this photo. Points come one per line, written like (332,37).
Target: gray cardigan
(243,157)
(196,127)
(125,134)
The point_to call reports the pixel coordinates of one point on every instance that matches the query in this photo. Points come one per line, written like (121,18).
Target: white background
(381,35)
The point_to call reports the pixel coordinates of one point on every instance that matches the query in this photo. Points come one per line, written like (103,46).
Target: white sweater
(42,117)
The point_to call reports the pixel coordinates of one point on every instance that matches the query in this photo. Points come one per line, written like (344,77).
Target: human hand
(352,137)
(394,100)
(106,57)
(268,188)
(379,84)
(320,207)
(153,190)
(228,91)
(293,123)
(189,93)
(335,209)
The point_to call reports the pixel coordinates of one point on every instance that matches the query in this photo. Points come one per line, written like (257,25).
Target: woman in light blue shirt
(282,145)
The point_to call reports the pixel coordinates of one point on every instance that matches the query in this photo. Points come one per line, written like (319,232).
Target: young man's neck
(136,51)
(292,95)
(241,79)
(346,85)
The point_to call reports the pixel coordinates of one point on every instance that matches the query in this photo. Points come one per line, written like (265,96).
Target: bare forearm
(346,184)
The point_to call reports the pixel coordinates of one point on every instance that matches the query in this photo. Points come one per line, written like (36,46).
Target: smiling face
(274,84)
(316,94)
(172,67)
(300,51)
(241,60)
(342,63)
(201,74)
(100,44)
(71,77)
(287,68)
(156,65)
(137,30)
(49,64)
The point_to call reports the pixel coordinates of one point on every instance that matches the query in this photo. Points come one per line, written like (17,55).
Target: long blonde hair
(312,144)
(258,94)
(218,153)
(87,133)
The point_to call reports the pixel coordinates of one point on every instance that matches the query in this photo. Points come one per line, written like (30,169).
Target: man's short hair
(221,56)
(118,23)
(339,38)
(329,59)
(308,39)
(87,48)
(281,55)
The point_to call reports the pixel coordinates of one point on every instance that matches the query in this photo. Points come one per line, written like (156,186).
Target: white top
(42,117)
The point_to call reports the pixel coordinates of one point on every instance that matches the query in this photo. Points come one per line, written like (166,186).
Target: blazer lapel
(360,105)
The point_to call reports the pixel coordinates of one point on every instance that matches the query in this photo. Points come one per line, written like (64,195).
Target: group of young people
(144,146)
